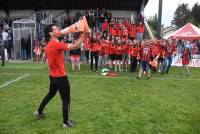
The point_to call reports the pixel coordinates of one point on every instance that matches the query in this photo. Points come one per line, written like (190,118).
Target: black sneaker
(38,116)
(68,124)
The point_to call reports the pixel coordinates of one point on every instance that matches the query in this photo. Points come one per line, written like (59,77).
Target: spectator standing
(2,51)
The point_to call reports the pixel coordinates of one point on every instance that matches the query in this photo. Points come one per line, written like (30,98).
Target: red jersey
(132,31)
(55,56)
(105,26)
(146,53)
(154,50)
(111,49)
(125,33)
(87,44)
(125,48)
(119,25)
(127,24)
(170,49)
(186,57)
(134,51)
(119,32)
(118,49)
(140,29)
(113,31)
(161,50)
(96,47)
(103,48)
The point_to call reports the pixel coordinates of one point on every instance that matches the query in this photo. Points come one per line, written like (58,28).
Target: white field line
(118,77)
(12,81)
(27,67)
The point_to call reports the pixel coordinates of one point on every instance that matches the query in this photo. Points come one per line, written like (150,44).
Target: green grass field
(167,104)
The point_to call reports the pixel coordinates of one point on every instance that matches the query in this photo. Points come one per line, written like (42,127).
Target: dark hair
(48,29)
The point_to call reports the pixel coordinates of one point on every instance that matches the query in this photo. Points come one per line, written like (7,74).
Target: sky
(169,7)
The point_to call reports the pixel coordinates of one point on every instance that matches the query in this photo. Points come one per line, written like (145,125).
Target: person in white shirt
(5,37)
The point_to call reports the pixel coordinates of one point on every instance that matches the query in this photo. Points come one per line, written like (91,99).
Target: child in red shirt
(186,58)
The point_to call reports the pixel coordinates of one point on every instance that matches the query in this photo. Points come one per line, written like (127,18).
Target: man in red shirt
(95,48)
(145,57)
(170,51)
(57,72)
(140,31)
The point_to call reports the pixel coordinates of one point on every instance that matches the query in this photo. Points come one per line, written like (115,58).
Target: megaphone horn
(79,26)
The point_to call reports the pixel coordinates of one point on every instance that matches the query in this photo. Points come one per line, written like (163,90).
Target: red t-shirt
(111,49)
(105,26)
(113,32)
(170,49)
(96,47)
(161,50)
(140,29)
(185,57)
(119,32)
(132,31)
(119,26)
(125,32)
(55,56)
(134,51)
(86,44)
(118,50)
(154,50)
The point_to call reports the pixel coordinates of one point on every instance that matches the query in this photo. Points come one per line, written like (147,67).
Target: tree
(181,15)
(153,22)
(195,14)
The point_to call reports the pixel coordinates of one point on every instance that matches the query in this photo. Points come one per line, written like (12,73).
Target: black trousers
(96,57)
(62,85)
(87,54)
(133,64)
(2,53)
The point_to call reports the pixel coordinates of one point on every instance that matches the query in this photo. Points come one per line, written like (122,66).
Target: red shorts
(75,59)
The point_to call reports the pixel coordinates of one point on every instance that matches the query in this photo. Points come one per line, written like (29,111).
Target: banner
(195,62)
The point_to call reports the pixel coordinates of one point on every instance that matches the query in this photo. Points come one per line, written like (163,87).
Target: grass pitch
(165,104)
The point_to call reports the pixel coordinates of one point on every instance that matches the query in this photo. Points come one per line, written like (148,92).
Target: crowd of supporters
(115,42)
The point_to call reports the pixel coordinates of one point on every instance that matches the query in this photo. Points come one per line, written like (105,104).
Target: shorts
(118,57)
(160,59)
(75,59)
(112,57)
(125,56)
(144,65)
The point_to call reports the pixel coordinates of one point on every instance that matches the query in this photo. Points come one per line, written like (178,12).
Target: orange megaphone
(154,63)
(79,26)
(86,27)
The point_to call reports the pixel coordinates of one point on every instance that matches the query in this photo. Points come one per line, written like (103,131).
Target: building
(165,32)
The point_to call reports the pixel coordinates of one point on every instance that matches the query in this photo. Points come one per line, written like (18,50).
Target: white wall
(20,13)
(122,14)
(2,14)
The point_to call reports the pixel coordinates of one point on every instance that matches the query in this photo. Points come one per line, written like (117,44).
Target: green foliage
(183,15)
(153,22)
(195,14)
(167,104)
